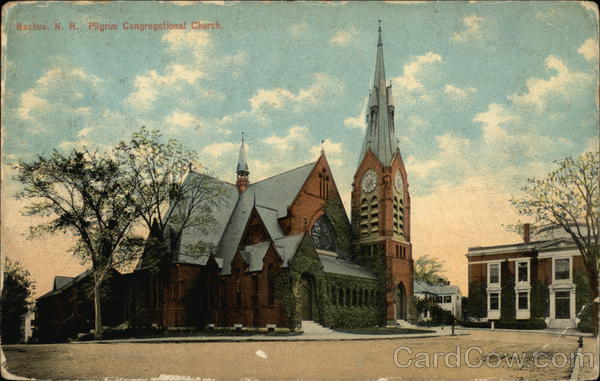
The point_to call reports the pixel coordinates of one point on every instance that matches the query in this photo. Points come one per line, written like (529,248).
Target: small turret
(242,168)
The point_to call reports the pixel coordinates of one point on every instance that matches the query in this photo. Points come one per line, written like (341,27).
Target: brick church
(283,250)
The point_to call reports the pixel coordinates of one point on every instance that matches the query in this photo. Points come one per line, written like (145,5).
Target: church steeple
(379,137)
(242,167)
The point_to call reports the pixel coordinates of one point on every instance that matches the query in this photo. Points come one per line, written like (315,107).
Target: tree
(427,270)
(16,291)
(169,196)
(87,194)
(569,197)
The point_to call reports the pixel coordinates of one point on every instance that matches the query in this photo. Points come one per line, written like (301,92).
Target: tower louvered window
(364,217)
(398,216)
(374,215)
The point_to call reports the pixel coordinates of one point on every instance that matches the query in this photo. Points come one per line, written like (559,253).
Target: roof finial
(254,200)
(380,41)
(380,25)
(322,146)
(242,136)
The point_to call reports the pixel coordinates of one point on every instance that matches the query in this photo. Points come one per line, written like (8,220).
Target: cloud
(183,119)
(417,67)
(323,90)
(344,37)
(195,48)
(296,135)
(358,121)
(565,83)
(472,29)
(298,30)
(217,149)
(457,94)
(60,96)
(589,49)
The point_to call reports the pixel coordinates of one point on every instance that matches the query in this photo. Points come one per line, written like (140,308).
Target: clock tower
(381,201)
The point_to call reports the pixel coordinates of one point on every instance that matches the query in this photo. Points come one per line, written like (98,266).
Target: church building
(283,250)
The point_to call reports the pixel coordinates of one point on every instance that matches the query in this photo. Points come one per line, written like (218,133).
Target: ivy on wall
(583,305)
(477,300)
(507,294)
(334,209)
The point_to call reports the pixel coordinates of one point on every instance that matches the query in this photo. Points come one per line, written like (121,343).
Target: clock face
(369,182)
(399,182)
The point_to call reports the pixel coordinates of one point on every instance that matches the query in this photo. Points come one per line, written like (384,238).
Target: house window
(447,299)
(439,299)
(523,301)
(494,301)
(522,272)
(494,273)
(562,269)
(562,303)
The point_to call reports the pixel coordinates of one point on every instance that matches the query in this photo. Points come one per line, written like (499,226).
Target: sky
(486,94)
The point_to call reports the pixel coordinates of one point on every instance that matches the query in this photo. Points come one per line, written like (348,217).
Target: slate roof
(60,281)
(340,266)
(65,282)
(271,196)
(254,255)
(424,288)
(211,239)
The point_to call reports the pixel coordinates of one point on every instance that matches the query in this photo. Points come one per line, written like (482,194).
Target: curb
(257,339)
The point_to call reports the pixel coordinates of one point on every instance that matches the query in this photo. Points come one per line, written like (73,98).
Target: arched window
(323,234)
(367,298)
(364,217)
(354,298)
(340,297)
(348,297)
(333,295)
(360,297)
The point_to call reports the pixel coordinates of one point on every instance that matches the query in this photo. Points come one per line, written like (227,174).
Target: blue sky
(487,94)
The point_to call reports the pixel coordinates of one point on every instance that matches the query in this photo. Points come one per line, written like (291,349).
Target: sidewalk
(332,336)
(547,331)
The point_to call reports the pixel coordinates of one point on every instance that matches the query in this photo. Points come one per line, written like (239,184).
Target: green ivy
(583,307)
(334,209)
(477,300)
(507,294)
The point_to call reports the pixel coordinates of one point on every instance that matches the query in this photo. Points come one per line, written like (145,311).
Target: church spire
(242,167)
(379,137)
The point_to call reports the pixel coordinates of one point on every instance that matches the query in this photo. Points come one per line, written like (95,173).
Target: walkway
(332,336)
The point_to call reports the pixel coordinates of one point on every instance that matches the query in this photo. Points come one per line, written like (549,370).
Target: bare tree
(569,197)
(169,195)
(86,194)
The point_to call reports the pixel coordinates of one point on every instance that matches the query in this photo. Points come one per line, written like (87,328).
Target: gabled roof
(272,197)
(60,281)
(549,244)
(65,284)
(424,288)
(188,251)
(336,265)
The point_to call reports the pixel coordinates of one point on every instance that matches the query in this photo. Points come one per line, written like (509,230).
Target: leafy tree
(88,195)
(16,291)
(569,197)
(427,270)
(169,196)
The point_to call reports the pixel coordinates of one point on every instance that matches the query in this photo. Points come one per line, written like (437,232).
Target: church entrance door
(401,302)
(306,298)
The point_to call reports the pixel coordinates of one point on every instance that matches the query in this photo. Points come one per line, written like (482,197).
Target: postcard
(223,190)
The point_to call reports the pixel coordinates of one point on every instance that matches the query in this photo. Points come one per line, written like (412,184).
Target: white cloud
(296,135)
(457,94)
(344,37)
(358,121)
(217,149)
(330,148)
(589,49)
(183,119)
(472,29)
(414,69)
(298,30)
(566,83)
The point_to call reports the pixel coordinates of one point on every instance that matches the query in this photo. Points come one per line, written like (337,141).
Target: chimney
(526,233)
